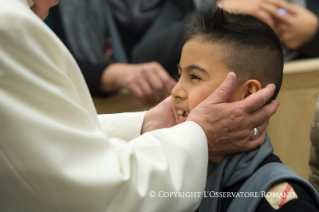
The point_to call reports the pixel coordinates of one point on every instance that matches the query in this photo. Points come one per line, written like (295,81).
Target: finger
(223,92)
(280,30)
(262,128)
(255,143)
(170,84)
(284,5)
(156,83)
(258,99)
(137,91)
(168,81)
(167,101)
(147,91)
(231,6)
(259,117)
(274,11)
(266,18)
(287,40)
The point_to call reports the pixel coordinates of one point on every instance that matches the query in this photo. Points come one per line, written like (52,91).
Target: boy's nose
(179,91)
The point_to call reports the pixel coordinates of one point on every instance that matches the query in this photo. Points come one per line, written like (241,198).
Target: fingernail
(274,86)
(229,76)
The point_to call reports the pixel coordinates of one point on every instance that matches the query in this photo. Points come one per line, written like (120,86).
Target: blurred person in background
(163,41)
(152,31)
(82,27)
(294,21)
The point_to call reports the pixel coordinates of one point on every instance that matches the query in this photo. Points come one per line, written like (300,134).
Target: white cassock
(56,154)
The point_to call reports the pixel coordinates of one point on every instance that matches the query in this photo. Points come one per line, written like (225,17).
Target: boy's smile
(201,71)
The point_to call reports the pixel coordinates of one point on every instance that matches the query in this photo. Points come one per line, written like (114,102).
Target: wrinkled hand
(149,82)
(229,126)
(304,25)
(260,9)
(161,116)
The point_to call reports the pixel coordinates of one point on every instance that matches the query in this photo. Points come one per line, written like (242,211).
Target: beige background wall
(289,128)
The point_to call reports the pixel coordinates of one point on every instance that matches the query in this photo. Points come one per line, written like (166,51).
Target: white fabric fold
(125,126)
(30,2)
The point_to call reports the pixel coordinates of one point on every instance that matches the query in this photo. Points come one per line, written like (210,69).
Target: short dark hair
(252,49)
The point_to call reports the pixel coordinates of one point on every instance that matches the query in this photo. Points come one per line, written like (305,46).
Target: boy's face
(201,70)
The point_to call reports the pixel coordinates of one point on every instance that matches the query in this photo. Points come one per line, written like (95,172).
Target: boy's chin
(178,121)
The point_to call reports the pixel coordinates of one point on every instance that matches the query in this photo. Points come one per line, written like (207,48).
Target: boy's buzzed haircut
(251,48)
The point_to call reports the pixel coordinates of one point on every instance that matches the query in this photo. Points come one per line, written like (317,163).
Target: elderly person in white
(56,154)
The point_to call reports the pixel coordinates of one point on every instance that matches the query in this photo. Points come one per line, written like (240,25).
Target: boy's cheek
(201,93)
(194,100)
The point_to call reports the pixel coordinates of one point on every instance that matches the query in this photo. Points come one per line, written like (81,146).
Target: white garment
(56,154)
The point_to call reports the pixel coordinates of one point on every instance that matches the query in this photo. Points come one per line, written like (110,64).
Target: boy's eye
(194,76)
(177,77)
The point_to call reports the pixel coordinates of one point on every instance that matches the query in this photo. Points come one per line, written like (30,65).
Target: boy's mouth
(181,114)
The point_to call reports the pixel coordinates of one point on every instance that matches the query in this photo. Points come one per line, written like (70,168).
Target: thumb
(223,92)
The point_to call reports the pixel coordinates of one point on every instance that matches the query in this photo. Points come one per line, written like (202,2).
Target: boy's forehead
(204,56)
(199,51)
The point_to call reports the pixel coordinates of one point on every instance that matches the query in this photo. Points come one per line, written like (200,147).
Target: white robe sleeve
(55,155)
(126,126)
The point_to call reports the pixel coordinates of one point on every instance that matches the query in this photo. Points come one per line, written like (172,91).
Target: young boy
(218,43)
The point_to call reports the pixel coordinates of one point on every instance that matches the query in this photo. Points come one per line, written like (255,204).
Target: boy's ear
(251,86)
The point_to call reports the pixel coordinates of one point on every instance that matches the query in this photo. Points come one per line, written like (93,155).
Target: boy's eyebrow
(193,67)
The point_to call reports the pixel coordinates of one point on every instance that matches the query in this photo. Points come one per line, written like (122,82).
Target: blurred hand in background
(149,82)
